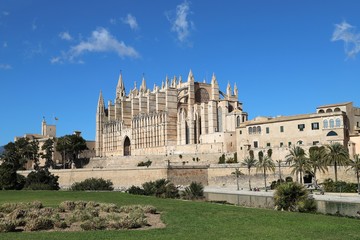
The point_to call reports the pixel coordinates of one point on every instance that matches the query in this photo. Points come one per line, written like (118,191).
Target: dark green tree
(317,161)
(265,163)
(249,162)
(48,150)
(298,162)
(337,155)
(355,166)
(70,146)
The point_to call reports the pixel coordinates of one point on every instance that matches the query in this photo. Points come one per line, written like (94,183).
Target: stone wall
(213,175)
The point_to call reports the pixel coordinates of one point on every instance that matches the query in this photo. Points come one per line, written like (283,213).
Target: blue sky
(286,57)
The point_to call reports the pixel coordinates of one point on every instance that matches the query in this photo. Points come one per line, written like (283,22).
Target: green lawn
(194,220)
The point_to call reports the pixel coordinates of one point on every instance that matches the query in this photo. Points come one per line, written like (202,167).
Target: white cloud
(113,21)
(33,25)
(5,13)
(5,66)
(55,60)
(131,21)
(181,24)
(65,36)
(100,40)
(347,33)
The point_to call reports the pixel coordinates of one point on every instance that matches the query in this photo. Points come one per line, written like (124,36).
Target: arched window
(127,146)
(337,109)
(250,130)
(338,122)
(329,110)
(331,123)
(321,111)
(238,121)
(254,130)
(259,130)
(331,133)
(300,142)
(326,123)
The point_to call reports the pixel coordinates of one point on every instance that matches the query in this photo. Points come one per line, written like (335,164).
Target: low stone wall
(213,175)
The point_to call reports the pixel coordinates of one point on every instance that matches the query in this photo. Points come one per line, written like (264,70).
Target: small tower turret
(120,88)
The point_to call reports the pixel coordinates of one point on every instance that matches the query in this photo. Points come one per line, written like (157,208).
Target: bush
(222,159)
(93,184)
(41,223)
(292,196)
(160,188)
(41,180)
(275,184)
(194,191)
(339,186)
(144,164)
(6,226)
(9,179)
(309,205)
(135,190)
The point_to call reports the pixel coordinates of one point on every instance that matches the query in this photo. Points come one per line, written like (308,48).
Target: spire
(190,76)
(173,83)
(143,85)
(235,90)
(213,80)
(101,104)
(162,84)
(167,82)
(180,79)
(120,88)
(228,90)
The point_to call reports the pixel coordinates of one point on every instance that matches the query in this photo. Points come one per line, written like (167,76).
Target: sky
(286,56)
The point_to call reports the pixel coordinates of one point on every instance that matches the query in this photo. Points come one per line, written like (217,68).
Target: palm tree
(316,160)
(249,162)
(355,165)
(237,174)
(299,162)
(265,163)
(337,154)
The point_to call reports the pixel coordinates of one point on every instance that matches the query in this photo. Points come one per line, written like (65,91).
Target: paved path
(334,197)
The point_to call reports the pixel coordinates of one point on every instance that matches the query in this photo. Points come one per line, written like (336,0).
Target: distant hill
(1,149)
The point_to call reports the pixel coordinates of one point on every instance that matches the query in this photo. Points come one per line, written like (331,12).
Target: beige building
(49,132)
(174,118)
(330,123)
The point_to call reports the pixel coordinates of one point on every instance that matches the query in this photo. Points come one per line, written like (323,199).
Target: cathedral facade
(178,117)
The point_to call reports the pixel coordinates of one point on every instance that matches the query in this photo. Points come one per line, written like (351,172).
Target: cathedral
(178,117)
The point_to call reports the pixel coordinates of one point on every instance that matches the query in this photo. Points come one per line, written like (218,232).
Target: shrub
(309,205)
(222,159)
(93,184)
(93,224)
(9,179)
(135,190)
(339,186)
(41,180)
(109,207)
(7,226)
(41,223)
(67,206)
(275,184)
(194,191)
(290,196)
(144,164)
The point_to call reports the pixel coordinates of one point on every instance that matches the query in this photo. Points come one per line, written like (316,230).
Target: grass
(193,220)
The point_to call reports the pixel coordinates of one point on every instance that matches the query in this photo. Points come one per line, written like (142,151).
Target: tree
(355,165)
(264,164)
(249,162)
(336,154)
(70,146)
(48,148)
(316,161)
(20,152)
(299,162)
(237,173)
